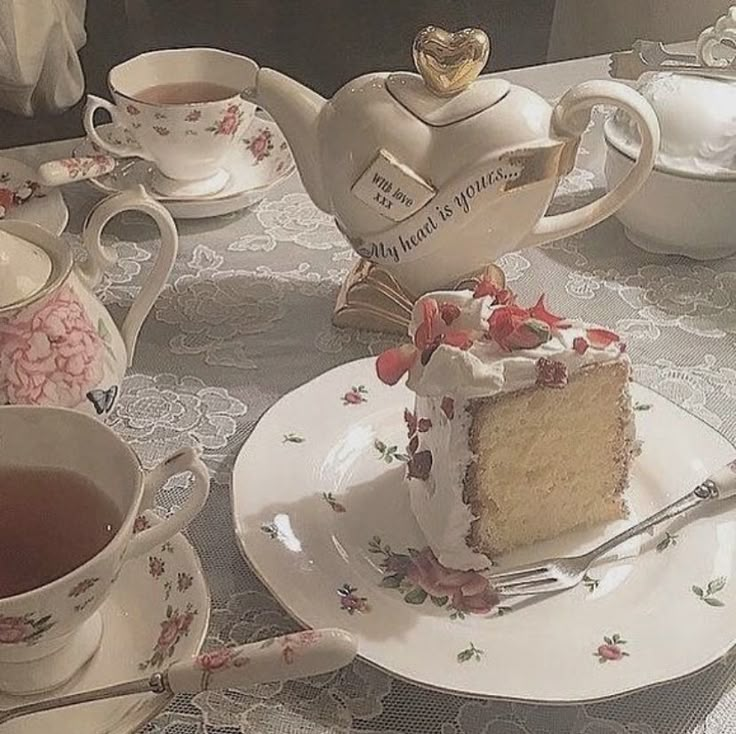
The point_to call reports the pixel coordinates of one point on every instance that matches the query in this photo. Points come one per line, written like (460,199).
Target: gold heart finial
(450,62)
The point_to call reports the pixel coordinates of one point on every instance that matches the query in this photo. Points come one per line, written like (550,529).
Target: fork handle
(720,485)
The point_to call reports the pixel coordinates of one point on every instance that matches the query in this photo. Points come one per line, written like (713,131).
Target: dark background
(323,43)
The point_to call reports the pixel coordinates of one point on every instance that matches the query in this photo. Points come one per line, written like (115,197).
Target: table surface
(246,318)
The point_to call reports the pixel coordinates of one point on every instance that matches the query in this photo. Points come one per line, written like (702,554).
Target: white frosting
(24,269)
(483,370)
(697,116)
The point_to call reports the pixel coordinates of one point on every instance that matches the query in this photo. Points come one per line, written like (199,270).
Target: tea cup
(187,141)
(49,632)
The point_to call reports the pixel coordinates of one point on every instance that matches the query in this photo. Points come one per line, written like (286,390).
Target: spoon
(297,655)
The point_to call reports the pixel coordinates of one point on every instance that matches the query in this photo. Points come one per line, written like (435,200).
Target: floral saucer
(22,199)
(158,613)
(322,514)
(263,159)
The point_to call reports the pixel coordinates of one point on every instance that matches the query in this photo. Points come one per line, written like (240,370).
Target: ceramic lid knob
(24,269)
(450,62)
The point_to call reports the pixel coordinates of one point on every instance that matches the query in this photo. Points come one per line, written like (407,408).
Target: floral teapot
(434,175)
(58,344)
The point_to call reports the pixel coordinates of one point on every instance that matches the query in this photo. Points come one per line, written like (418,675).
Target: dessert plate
(263,159)
(156,614)
(23,200)
(322,514)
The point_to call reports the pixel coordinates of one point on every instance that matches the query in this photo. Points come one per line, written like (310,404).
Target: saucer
(23,200)
(262,159)
(157,613)
(322,513)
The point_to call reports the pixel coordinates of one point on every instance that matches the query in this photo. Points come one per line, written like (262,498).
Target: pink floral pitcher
(58,344)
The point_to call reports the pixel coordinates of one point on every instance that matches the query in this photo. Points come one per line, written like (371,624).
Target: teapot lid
(25,269)
(446,91)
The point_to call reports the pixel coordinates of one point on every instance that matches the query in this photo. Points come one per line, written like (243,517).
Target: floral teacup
(48,633)
(58,344)
(187,141)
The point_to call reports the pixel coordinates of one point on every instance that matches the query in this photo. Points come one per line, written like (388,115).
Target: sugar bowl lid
(447,88)
(697,116)
(29,264)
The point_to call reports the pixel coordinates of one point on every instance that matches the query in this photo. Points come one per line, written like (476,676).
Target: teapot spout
(296,109)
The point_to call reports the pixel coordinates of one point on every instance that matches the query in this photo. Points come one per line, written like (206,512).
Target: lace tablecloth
(246,318)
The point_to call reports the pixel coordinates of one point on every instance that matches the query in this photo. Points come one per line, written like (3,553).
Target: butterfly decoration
(103,400)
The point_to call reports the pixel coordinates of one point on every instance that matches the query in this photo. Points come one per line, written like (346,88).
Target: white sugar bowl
(688,205)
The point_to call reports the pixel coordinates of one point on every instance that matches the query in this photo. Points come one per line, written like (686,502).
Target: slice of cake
(522,428)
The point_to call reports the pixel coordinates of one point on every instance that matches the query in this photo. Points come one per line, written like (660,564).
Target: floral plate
(322,514)
(22,199)
(263,159)
(158,613)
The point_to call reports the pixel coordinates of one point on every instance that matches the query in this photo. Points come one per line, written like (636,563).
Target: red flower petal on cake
(503,321)
(529,335)
(601,338)
(539,311)
(448,407)
(429,329)
(413,445)
(622,347)
(423,425)
(580,345)
(411,422)
(460,339)
(420,465)
(449,312)
(486,287)
(551,373)
(394,363)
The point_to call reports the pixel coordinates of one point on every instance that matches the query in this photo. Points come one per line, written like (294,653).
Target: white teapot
(434,175)
(58,344)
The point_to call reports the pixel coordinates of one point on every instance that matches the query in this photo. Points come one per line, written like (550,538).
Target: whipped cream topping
(444,386)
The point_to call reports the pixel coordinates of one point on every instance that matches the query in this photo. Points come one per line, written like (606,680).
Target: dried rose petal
(504,321)
(429,329)
(449,312)
(486,287)
(601,338)
(413,445)
(448,407)
(460,339)
(394,363)
(580,345)
(539,311)
(529,334)
(420,465)
(414,425)
(551,373)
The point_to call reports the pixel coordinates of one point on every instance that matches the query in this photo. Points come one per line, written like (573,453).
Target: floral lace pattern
(246,318)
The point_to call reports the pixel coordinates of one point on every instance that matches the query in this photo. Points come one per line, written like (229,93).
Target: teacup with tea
(70,493)
(183,110)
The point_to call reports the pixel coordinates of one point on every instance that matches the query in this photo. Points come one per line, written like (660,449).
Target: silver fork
(559,574)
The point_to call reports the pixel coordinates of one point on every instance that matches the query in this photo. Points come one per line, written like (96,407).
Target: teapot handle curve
(570,119)
(100,259)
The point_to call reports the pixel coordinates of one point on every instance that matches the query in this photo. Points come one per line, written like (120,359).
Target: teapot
(433,175)
(58,344)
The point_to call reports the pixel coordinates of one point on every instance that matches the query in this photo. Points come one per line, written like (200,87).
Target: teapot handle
(570,118)
(100,259)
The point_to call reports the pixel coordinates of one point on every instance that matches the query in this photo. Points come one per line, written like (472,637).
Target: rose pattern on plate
(229,123)
(50,352)
(611,649)
(161,130)
(293,438)
(14,193)
(156,566)
(336,506)
(418,576)
(183,581)
(260,145)
(350,600)
(173,627)
(193,115)
(140,524)
(26,629)
(470,653)
(82,587)
(132,110)
(389,453)
(355,395)
(668,541)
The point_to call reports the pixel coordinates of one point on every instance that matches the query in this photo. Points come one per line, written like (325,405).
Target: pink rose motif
(169,633)
(49,354)
(185,622)
(469,591)
(14,629)
(215,660)
(261,145)
(610,652)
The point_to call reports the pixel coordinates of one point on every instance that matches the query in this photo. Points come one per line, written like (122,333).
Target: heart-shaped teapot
(434,175)
(58,344)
